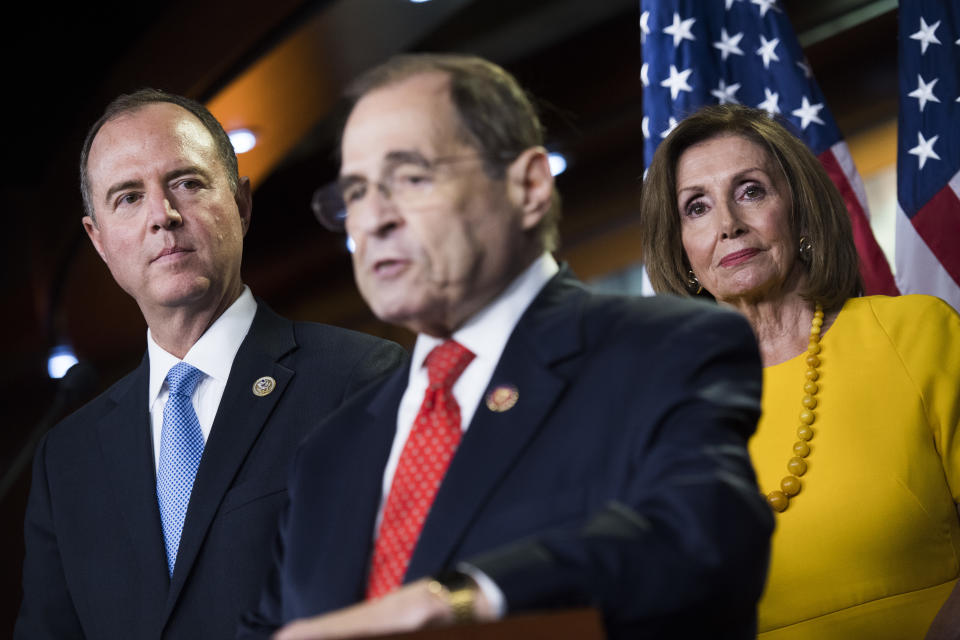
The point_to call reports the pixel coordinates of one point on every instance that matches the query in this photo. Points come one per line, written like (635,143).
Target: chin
(402,311)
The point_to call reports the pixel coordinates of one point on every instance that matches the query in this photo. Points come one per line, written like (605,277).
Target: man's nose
(377,214)
(162,214)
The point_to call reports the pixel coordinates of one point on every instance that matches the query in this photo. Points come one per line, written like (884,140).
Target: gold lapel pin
(502,398)
(264,386)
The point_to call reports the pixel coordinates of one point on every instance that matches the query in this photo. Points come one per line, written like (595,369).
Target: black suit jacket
(95,566)
(619,480)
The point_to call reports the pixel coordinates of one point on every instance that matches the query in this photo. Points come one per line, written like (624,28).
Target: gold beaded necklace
(797,466)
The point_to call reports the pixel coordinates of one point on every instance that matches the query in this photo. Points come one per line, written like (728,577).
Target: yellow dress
(869,548)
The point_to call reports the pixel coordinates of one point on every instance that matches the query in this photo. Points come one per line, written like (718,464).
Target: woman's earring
(806,249)
(693,284)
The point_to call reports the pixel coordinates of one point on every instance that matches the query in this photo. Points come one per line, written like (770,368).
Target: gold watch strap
(458,591)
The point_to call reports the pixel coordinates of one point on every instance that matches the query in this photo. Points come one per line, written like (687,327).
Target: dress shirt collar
(487,331)
(213,353)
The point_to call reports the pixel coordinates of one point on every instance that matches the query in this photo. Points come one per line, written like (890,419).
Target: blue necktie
(181,446)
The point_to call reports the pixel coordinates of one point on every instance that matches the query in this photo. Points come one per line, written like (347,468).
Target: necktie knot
(446,362)
(183,378)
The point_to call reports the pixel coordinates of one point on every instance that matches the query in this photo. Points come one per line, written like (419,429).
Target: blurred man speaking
(153,508)
(547,447)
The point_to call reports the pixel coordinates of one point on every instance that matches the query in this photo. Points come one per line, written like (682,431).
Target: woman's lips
(737,257)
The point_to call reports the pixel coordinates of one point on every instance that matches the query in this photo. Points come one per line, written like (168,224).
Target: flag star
(677,82)
(728,45)
(805,67)
(771,104)
(924,92)
(808,113)
(680,29)
(765,5)
(726,94)
(645,127)
(645,74)
(644,26)
(673,125)
(730,3)
(927,35)
(924,149)
(767,51)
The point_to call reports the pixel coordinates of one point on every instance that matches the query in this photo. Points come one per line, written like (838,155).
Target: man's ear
(244,200)
(530,185)
(93,232)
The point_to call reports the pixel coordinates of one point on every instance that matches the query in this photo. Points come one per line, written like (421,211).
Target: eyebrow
(392,160)
(138,184)
(734,177)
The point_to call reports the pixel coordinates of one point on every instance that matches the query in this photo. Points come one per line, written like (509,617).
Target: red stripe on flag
(938,223)
(874,268)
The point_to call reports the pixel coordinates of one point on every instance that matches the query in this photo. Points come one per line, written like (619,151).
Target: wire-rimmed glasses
(408,180)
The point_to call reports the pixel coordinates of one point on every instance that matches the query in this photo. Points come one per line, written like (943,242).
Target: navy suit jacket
(95,566)
(620,479)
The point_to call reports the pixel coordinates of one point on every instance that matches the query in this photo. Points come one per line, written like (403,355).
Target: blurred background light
(60,359)
(558,164)
(242,140)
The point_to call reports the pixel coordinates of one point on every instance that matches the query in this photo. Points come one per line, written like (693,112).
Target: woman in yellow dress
(858,447)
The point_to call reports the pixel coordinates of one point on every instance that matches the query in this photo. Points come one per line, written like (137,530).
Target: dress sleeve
(926,334)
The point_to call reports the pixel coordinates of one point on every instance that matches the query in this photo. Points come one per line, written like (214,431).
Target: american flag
(698,52)
(928,159)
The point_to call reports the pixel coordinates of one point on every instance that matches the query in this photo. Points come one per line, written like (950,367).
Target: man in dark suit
(153,509)
(570,449)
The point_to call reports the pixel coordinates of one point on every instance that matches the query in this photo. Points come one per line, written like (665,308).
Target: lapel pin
(502,398)
(264,386)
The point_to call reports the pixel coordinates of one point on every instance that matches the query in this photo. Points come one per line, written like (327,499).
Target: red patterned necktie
(423,463)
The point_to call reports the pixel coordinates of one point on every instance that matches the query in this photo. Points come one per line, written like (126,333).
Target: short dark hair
(496,115)
(817,209)
(130,102)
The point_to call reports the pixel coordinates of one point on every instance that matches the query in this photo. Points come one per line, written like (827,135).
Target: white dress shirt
(212,354)
(485,334)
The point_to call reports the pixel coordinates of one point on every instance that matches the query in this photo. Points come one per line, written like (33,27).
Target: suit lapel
(124,435)
(548,333)
(363,446)
(239,420)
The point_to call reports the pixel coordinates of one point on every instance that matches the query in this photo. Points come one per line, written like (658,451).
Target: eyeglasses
(408,181)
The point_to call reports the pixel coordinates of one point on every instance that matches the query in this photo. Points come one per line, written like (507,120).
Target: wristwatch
(459,591)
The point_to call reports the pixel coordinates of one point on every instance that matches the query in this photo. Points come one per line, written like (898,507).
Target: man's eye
(354,193)
(190,184)
(411,178)
(129,198)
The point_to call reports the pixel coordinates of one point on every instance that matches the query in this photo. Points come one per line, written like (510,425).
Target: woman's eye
(753,191)
(697,208)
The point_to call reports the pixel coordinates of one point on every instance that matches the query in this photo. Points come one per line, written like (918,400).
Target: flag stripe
(874,269)
(938,223)
(918,270)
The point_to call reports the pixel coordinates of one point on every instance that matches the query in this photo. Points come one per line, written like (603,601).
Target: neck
(177,329)
(782,326)
(444,324)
